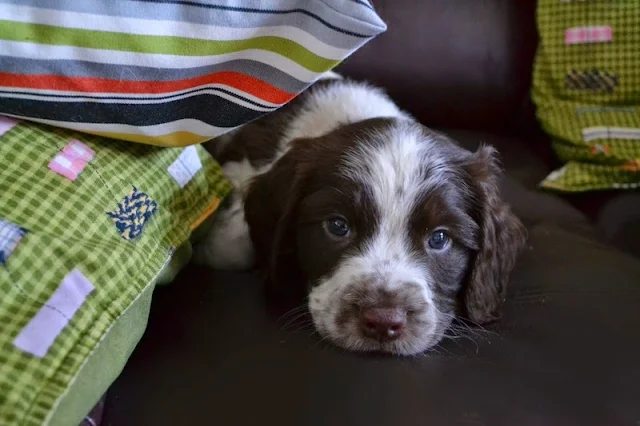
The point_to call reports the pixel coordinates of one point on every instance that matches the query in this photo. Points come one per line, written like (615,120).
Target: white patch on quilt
(590,134)
(39,334)
(10,236)
(557,174)
(6,124)
(186,166)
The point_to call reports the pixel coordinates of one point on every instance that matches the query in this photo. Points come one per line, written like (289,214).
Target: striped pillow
(169,72)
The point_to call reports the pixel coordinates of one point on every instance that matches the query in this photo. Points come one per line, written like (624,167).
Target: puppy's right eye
(438,240)
(337,226)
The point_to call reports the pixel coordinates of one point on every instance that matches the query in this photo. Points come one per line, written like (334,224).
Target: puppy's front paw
(228,245)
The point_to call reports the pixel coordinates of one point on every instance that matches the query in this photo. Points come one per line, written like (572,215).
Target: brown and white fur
(343,157)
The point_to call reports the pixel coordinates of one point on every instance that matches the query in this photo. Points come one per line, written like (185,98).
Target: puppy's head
(391,231)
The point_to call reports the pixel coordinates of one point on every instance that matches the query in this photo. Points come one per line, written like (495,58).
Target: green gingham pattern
(68,228)
(582,86)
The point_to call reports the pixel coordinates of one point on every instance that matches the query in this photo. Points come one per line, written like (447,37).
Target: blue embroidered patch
(132,214)
(10,236)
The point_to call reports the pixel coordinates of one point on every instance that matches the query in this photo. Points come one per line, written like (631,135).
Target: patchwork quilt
(88,227)
(586,86)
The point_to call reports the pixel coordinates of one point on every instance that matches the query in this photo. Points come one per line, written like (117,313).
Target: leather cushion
(453,63)
(619,222)
(565,352)
(516,158)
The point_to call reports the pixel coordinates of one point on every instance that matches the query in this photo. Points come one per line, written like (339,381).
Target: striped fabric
(169,72)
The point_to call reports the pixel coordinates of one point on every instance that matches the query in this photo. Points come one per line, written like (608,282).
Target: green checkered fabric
(587,93)
(68,228)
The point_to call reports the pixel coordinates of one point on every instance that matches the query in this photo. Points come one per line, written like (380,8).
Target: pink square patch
(72,160)
(66,166)
(6,124)
(76,149)
(584,35)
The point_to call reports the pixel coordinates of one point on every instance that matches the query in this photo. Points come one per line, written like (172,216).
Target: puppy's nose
(383,323)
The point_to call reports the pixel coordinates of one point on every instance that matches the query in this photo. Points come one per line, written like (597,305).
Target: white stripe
(196,127)
(119,24)
(131,99)
(103,56)
(592,133)
(39,94)
(39,334)
(79,150)
(62,160)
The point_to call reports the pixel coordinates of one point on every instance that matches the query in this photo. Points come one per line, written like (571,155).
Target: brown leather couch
(567,350)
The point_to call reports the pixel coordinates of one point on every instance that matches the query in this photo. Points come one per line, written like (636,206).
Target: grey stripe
(184,13)
(70,68)
(358,9)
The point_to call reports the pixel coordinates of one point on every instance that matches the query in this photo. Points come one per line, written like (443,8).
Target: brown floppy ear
(270,211)
(502,236)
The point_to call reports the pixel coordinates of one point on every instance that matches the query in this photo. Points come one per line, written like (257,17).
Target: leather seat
(567,349)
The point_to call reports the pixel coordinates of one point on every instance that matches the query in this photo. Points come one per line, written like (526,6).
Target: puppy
(390,229)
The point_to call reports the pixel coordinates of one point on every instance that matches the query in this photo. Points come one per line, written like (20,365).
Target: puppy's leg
(228,245)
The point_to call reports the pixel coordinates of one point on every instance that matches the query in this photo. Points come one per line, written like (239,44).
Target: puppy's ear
(501,238)
(270,205)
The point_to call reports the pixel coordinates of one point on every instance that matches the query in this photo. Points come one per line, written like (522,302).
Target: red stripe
(243,82)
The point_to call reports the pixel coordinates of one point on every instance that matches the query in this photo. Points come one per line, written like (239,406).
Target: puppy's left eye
(438,240)
(337,226)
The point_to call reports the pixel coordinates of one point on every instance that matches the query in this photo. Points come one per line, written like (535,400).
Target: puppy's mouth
(367,345)
(379,330)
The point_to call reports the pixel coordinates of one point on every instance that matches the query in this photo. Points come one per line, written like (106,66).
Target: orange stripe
(243,82)
(212,207)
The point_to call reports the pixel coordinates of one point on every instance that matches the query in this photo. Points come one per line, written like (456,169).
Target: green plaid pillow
(586,86)
(87,228)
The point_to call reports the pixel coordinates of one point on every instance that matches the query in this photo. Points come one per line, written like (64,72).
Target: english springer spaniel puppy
(390,229)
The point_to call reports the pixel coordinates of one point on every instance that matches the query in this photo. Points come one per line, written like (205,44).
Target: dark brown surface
(94,418)
(454,63)
(619,222)
(567,350)
(565,353)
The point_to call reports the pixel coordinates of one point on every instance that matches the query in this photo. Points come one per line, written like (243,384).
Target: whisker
(322,341)
(469,335)
(466,322)
(453,337)
(474,332)
(292,311)
(462,330)
(439,347)
(294,320)
(308,326)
